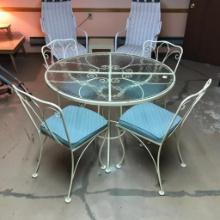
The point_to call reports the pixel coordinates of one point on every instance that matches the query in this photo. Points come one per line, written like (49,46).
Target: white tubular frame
(86,36)
(64,46)
(36,109)
(117,35)
(168,49)
(187,105)
(120,32)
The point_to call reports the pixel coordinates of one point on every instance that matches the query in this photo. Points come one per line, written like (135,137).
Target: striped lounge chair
(58,22)
(143,23)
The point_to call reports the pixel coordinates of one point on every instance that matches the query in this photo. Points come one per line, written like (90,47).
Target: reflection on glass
(110,77)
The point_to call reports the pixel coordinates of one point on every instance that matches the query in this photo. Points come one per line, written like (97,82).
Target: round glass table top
(110,79)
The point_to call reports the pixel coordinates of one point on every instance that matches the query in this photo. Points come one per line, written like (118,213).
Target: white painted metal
(185,107)
(37,109)
(58,49)
(162,51)
(109,71)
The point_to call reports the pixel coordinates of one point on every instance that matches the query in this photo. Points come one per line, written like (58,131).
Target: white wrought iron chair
(58,49)
(143,23)
(72,127)
(155,124)
(163,51)
(58,22)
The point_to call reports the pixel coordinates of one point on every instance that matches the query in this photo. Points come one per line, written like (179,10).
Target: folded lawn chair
(6,80)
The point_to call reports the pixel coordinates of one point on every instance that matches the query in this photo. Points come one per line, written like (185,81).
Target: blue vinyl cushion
(149,120)
(82,124)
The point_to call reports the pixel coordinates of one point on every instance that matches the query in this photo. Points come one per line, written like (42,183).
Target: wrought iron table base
(108,138)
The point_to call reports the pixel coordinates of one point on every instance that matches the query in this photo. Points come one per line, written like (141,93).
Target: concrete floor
(129,193)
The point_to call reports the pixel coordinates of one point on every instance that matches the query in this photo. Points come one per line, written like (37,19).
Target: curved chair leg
(148,150)
(58,100)
(35,174)
(103,166)
(123,150)
(161,191)
(182,163)
(73,170)
(108,169)
(165,102)
(68,198)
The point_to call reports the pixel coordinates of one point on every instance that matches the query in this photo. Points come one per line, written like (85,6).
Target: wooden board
(10,44)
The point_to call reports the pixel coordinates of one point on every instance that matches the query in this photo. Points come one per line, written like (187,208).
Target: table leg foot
(108,170)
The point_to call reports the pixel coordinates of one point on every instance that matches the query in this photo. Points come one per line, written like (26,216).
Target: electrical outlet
(90,16)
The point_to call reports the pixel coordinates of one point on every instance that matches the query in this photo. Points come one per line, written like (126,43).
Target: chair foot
(183,165)
(34,175)
(118,166)
(103,167)
(68,199)
(161,192)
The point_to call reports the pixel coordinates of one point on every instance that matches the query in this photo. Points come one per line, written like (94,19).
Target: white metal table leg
(108,169)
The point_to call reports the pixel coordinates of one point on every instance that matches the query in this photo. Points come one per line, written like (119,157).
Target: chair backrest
(59,49)
(39,110)
(57,19)
(185,107)
(144,22)
(163,51)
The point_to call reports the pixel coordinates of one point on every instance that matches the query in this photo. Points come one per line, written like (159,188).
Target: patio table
(110,79)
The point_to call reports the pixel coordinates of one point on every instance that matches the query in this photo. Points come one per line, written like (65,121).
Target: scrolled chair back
(59,49)
(163,51)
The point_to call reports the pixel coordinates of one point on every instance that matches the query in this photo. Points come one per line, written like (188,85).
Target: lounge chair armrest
(86,35)
(117,35)
(158,31)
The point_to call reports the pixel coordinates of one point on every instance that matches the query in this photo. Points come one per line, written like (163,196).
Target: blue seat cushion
(149,120)
(82,124)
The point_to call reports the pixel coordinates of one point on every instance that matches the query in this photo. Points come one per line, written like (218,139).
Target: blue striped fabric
(149,120)
(82,124)
(144,23)
(58,21)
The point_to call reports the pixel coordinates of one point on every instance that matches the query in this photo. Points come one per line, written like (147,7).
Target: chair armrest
(86,35)
(117,35)
(158,32)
